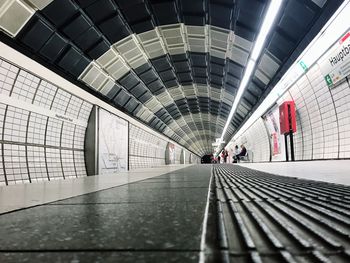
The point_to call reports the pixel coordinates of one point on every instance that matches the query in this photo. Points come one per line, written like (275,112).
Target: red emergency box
(287,117)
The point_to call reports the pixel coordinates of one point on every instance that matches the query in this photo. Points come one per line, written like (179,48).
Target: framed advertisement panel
(113,143)
(276,140)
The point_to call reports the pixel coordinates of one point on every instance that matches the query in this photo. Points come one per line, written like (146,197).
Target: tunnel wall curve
(43,128)
(323,121)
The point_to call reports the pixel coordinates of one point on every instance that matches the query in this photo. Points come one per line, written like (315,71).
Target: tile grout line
(95,250)
(205,222)
(19,208)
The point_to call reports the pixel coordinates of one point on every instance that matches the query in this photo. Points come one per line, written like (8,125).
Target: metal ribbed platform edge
(262,217)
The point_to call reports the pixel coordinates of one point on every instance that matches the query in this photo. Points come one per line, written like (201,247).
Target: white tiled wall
(323,119)
(2,174)
(325,135)
(148,150)
(341,97)
(256,141)
(178,151)
(35,146)
(187,157)
(145,149)
(194,159)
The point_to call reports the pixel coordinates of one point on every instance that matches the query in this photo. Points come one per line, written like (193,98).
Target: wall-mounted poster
(272,124)
(275,144)
(113,143)
(170,154)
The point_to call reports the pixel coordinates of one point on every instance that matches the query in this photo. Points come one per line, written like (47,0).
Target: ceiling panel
(174,64)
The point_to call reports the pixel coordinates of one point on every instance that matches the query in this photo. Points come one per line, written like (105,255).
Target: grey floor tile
(170,184)
(100,257)
(183,177)
(125,194)
(105,226)
(197,173)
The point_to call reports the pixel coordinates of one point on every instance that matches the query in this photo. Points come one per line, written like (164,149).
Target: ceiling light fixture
(269,19)
(334,28)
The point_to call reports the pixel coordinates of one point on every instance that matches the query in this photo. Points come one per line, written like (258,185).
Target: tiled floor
(271,218)
(24,195)
(155,220)
(331,171)
(159,216)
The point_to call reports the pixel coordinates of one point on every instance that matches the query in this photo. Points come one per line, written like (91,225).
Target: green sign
(334,64)
(328,80)
(303,65)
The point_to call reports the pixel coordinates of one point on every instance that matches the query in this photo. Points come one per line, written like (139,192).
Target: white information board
(113,143)
(335,64)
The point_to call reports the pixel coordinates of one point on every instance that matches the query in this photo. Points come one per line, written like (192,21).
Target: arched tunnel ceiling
(174,64)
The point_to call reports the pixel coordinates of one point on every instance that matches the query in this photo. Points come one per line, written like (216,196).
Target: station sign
(303,65)
(11,101)
(335,63)
(217,142)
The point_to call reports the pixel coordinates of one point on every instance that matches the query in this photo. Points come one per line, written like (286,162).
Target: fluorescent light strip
(269,19)
(244,82)
(333,29)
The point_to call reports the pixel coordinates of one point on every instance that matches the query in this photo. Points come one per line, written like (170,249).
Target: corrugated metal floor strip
(268,218)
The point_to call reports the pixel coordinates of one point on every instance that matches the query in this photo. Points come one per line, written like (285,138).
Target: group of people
(237,155)
(224,155)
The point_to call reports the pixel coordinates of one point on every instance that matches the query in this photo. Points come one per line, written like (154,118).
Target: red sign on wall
(287,117)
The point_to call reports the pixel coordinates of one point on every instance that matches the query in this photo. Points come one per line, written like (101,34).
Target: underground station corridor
(175,131)
(202,213)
